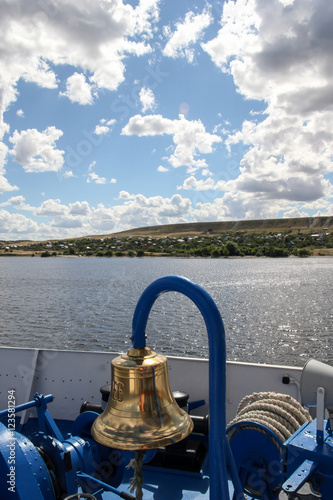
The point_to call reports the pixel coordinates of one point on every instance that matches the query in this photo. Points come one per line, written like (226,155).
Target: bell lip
(146,443)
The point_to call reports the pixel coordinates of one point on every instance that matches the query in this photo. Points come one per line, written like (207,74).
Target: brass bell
(141,413)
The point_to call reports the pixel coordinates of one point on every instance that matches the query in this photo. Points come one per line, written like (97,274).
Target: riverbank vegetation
(207,244)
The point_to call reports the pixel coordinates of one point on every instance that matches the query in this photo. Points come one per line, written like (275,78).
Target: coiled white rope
(281,413)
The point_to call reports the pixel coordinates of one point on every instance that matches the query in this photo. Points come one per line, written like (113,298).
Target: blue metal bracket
(30,404)
(84,479)
(220,455)
(299,477)
(45,419)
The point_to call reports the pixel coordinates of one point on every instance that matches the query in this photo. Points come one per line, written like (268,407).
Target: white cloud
(148,125)
(238,35)
(3,156)
(198,185)
(190,137)
(36,151)
(139,210)
(79,218)
(124,195)
(101,130)
(324,206)
(67,223)
(211,210)
(180,43)
(17,202)
(147,99)
(102,219)
(234,206)
(78,90)
(40,73)
(4,183)
(93,177)
(51,208)
(327,211)
(146,16)
(162,169)
(279,52)
(14,225)
(91,36)
(296,171)
(294,212)
(68,174)
(20,113)
(79,208)
(104,127)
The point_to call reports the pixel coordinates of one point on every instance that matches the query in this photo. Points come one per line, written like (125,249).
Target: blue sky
(115,115)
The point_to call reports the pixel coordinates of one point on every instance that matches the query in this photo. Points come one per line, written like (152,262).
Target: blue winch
(308,464)
(308,453)
(299,469)
(280,452)
(49,466)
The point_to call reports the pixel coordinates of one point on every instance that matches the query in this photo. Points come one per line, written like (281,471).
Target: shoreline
(328,253)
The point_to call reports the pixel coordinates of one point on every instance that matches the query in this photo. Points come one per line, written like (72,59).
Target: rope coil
(281,413)
(263,422)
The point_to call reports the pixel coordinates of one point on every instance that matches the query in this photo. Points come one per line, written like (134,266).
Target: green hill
(303,224)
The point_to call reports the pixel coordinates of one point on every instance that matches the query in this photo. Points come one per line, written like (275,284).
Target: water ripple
(274,310)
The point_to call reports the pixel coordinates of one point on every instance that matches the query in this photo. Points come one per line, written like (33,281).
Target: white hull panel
(76,376)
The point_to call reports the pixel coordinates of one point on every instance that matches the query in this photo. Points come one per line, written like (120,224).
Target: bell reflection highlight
(141,412)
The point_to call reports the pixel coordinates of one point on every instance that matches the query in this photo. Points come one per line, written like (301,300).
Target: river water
(276,311)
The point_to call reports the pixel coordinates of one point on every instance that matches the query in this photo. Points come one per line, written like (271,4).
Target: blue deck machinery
(48,465)
(308,453)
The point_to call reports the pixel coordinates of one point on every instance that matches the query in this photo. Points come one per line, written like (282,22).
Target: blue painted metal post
(218,444)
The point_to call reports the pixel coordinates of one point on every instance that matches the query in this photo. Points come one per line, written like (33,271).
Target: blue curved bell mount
(220,456)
